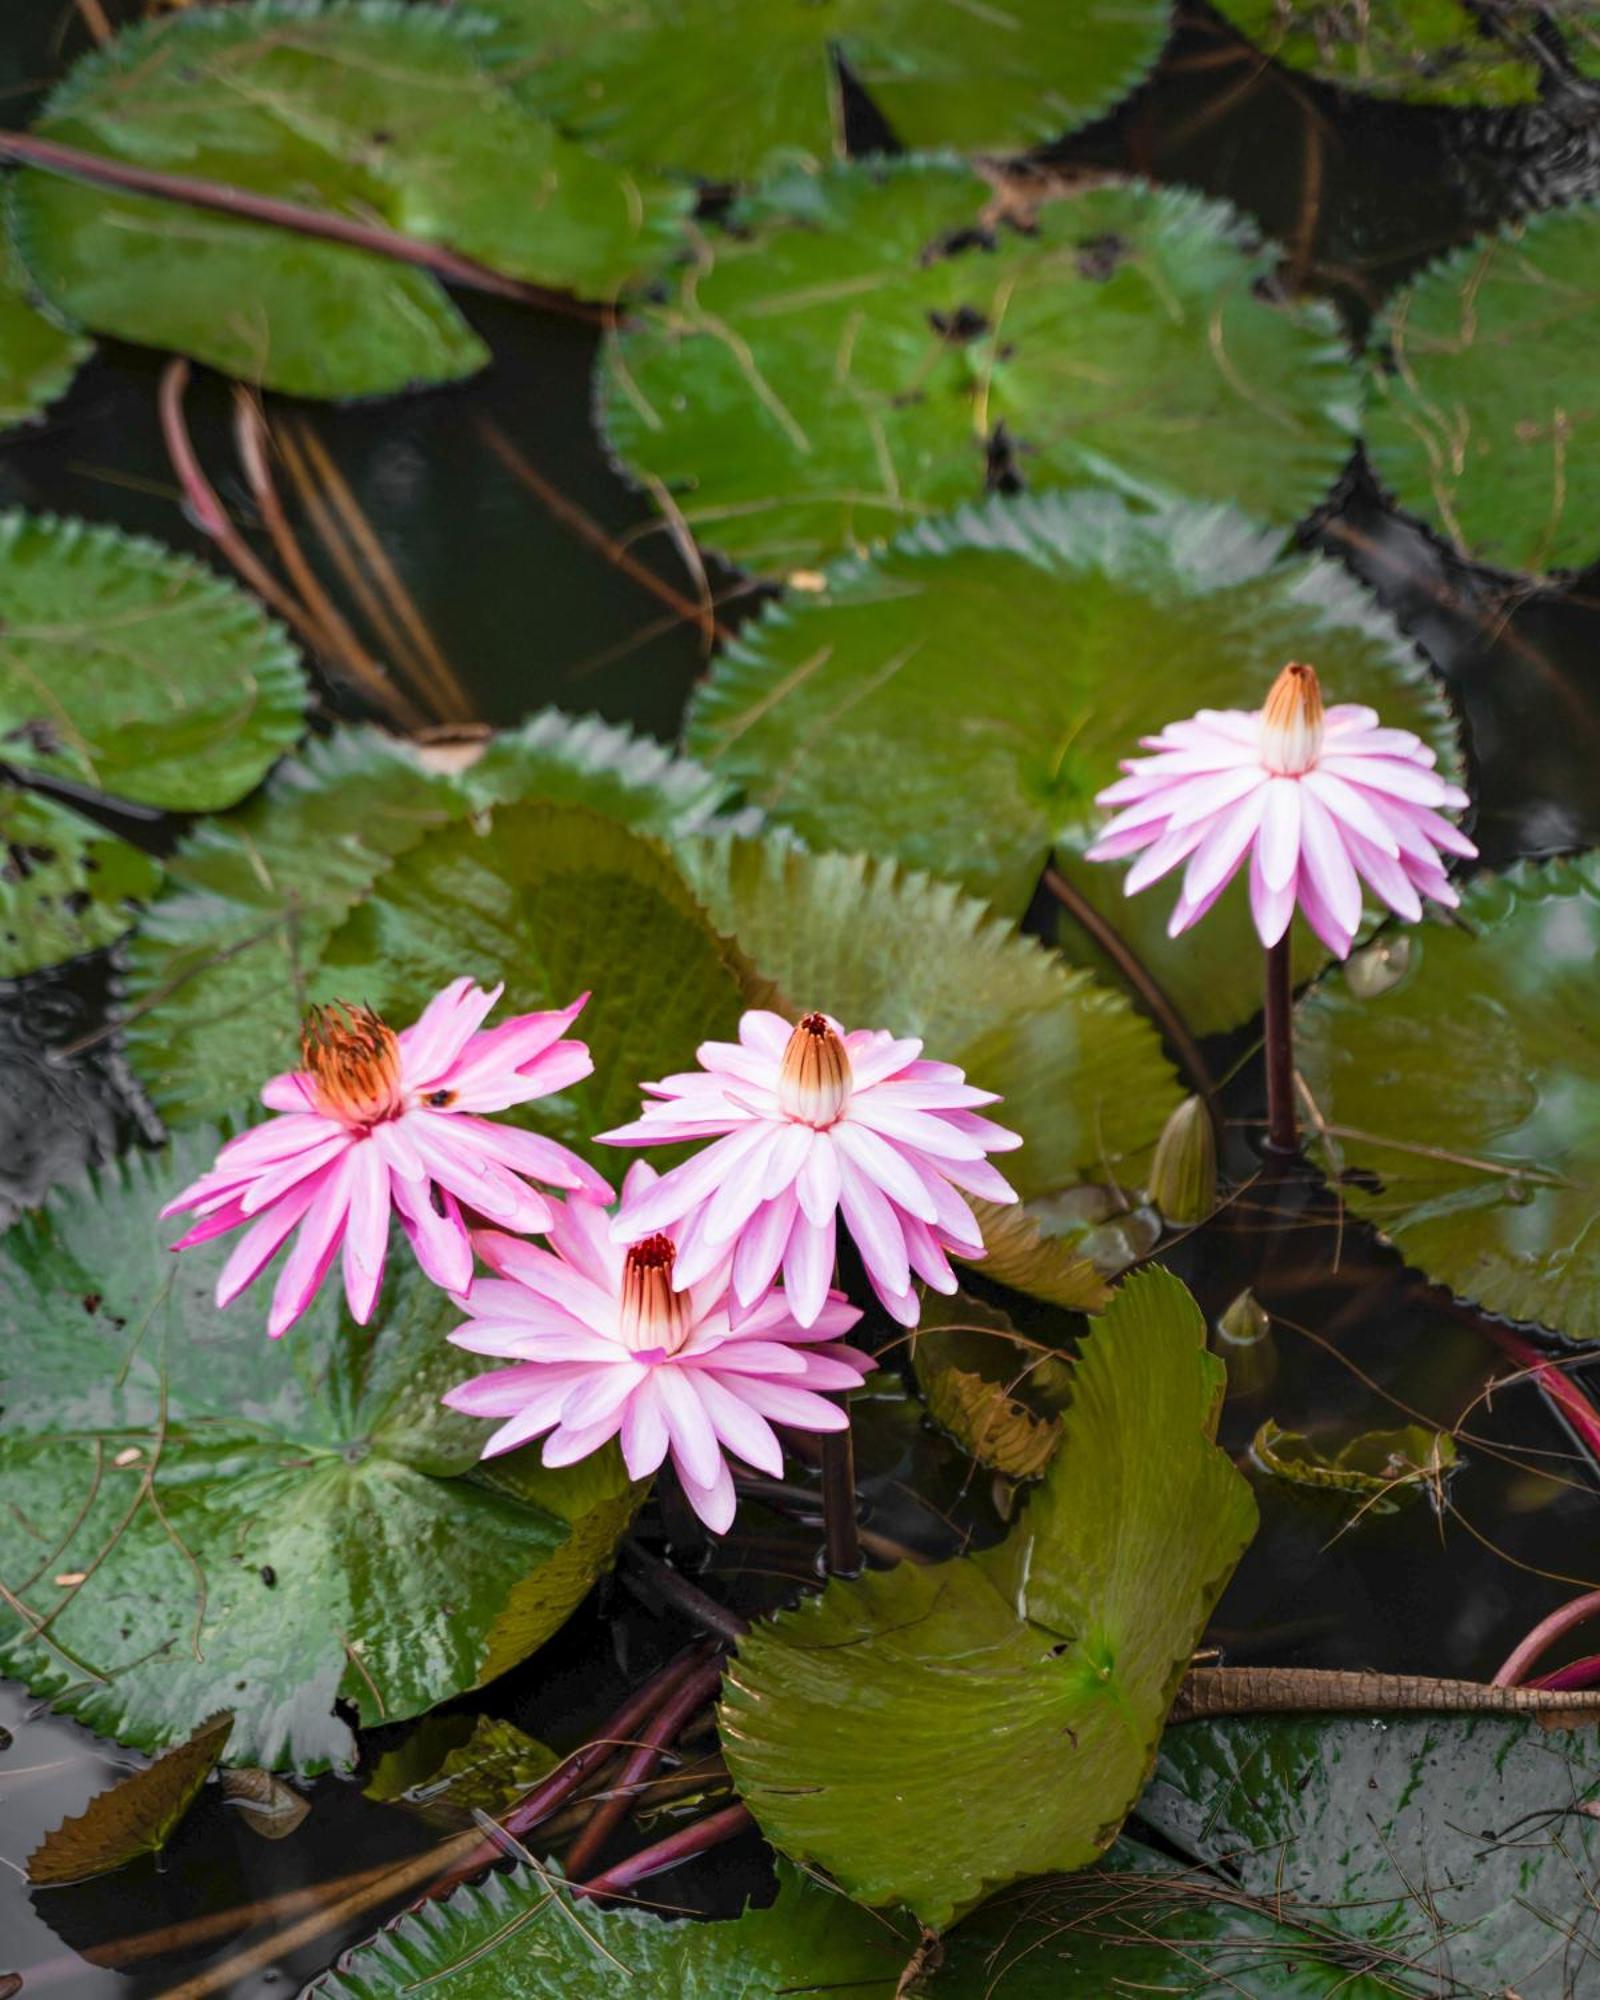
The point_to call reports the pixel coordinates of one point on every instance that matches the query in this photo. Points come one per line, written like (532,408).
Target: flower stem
(1282,1133)
(841,1540)
(683,1845)
(658,1736)
(1544,1635)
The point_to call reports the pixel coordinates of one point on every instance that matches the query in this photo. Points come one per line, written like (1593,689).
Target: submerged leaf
(872,346)
(1020,1254)
(1000,1397)
(1459,1108)
(199,1514)
(1381,1468)
(1418,51)
(404,116)
(726,88)
(138,1815)
(959,700)
(1030,1683)
(519,1936)
(451,1765)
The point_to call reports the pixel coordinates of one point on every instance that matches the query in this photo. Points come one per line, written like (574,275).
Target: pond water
(517,576)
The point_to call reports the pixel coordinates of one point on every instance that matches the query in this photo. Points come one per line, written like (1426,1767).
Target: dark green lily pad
(728,88)
(1029,1683)
(556,901)
(38,356)
(400,115)
(1081,1076)
(958,700)
(1481,418)
(875,345)
(137,1815)
(1460,1104)
(219,972)
(1418,51)
(197,1514)
(66,885)
(520,1936)
(1451,1854)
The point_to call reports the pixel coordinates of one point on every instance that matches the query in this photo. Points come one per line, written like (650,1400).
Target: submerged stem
(1278,1029)
(1544,1635)
(841,1535)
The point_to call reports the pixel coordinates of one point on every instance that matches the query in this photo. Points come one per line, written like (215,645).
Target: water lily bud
(1183,1174)
(1244,1339)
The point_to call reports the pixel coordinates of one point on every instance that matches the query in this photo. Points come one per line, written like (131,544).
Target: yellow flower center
(814,1082)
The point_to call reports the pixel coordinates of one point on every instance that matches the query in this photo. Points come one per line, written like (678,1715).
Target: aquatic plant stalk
(657,1737)
(840,1531)
(684,1845)
(1283,1135)
(1544,1635)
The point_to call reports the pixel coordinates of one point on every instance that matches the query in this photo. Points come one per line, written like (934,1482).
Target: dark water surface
(527,608)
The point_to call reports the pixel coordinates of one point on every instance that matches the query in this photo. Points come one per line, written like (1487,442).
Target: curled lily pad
(138,1815)
(1481,418)
(1459,1108)
(38,356)
(219,972)
(1029,1683)
(1380,1468)
(382,112)
(1419,51)
(958,700)
(197,1514)
(1000,1397)
(724,88)
(875,345)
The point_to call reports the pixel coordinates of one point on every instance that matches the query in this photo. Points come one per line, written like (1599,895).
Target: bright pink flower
(1319,801)
(378,1119)
(817,1121)
(602,1343)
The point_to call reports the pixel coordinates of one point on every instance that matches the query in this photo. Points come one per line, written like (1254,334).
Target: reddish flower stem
(1578,1674)
(673,1714)
(1554,1383)
(1543,1637)
(1277,1025)
(683,1845)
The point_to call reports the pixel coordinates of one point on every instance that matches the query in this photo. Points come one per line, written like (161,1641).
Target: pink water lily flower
(1319,800)
(601,1344)
(378,1120)
(811,1122)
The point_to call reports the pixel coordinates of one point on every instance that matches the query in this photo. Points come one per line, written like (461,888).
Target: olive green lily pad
(1438,1848)
(1029,1683)
(38,356)
(1378,1470)
(218,975)
(1460,1105)
(875,344)
(958,700)
(452,1765)
(727,88)
(1080,1075)
(556,901)
(198,1515)
(1481,418)
(999,1396)
(398,115)
(520,1936)
(1418,51)
(137,1815)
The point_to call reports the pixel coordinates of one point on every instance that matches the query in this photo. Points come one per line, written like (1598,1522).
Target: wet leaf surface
(387,113)
(959,700)
(1459,1106)
(199,1514)
(38,356)
(879,343)
(136,1816)
(67,886)
(1419,51)
(851,1723)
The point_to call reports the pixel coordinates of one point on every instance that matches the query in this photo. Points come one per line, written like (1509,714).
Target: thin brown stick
(1209,1691)
(94,19)
(73,163)
(588,530)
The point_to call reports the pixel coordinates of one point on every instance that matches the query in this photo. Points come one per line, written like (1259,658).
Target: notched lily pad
(138,1815)
(1379,1469)
(1418,51)
(875,345)
(958,700)
(38,355)
(1459,1107)
(999,1396)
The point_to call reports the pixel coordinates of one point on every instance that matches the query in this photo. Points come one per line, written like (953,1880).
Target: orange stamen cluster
(353,1059)
(652,1313)
(814,1081)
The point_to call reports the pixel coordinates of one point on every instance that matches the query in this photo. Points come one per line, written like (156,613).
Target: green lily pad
(137,1815)
(999,1396)
(520,1936)
(1481,418)
(556,901)
(1460,1104)
(219,973)
(1029,1683)
(1081,1076)
(958,700)
(1379,1469)
(727,88)
(1020,1254)
(867,347)
(38,356)
(135,672)
(66,885)
(1418,51)
(392,114)
(1440,1848)
(198,1515)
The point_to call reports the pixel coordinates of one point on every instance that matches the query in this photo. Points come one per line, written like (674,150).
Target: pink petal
(439,1242)
(260,1243)
(761,1247)
(766,1032)
(742,1430)
(694,1442)
(444,1027)
(366,1241)
(1271,908)
(644,1430)
(1326,865)
(1278,843)
(715,1504)
(292,1091)
(313,1251)
(871,1220)
(877,1162)
(686,1187)
(1216,860)
(601,1393)
(780,1403)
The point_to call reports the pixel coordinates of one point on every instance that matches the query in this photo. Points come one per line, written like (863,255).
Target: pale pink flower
(378,1120)
(1319,800)
(816,1122)
(602,1344)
